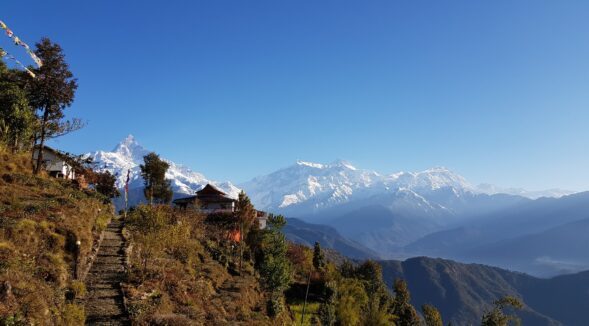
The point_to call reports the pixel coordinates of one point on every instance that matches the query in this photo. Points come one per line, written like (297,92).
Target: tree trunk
(15,144)
(42,143)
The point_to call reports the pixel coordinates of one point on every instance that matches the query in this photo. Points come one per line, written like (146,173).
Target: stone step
(105,276)
(112,240)
(111,245)
(104,286)
(101,268)
(105,294)
(110,251)
(104,308)
(116,259)
(108,321)
(112,236)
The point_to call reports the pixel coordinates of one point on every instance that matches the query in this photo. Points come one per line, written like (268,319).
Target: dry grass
(311,313)
(40,221)
(183,273)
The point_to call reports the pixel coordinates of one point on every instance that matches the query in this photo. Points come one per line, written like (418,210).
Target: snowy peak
(310,164)
(130,148)
(431,179)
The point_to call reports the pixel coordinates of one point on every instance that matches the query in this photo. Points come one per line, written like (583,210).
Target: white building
(55,163)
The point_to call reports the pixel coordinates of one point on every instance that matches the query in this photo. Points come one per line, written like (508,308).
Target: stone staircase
(105,301)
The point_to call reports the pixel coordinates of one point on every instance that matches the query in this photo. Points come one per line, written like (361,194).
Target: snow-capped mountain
(317,186)
(128,155)
(381,211)
(313,187)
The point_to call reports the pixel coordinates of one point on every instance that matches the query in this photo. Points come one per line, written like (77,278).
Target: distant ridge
(462,292)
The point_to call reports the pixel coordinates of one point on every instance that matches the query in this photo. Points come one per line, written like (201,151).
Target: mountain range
(436,212)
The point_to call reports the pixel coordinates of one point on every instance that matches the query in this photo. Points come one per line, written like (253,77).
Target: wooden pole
(305,303)
(240,245)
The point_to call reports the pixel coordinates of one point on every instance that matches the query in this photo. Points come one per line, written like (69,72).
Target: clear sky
(496,90)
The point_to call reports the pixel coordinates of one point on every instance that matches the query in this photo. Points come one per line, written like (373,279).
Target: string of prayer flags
(4,54)
(19,42)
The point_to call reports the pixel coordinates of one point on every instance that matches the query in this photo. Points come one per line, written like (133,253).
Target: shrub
(78,288)
(73,314)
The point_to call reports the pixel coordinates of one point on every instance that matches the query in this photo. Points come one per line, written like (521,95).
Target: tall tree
(402,308)
(50,93)
(246,217)
(246,213)
(275,268)
(272,261)
(431,315)
(153,172)
(318,257)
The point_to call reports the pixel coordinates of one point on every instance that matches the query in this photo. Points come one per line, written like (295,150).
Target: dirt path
(105,305)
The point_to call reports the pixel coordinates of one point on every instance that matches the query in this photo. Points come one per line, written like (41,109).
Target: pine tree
(274,266)
(153,172)
(50,93)
(402,308)
(246,213)
(318,257)
(431,315)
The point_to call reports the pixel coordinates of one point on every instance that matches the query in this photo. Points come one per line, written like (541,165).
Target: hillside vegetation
(187,269)
(184,272)
(41,220)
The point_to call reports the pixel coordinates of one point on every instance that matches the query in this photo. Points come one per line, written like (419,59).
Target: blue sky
(495,90)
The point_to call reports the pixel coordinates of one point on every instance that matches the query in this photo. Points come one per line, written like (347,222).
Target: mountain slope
(307,234)
(382,212)
(463,292)
(128,155)
(559,250)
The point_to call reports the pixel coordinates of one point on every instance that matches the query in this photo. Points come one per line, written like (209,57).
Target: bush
(73,314)
(148,218)
(78,288)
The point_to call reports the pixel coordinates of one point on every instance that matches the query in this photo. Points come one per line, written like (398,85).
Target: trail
(105,304)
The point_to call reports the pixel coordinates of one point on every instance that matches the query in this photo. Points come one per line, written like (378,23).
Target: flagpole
(126,194)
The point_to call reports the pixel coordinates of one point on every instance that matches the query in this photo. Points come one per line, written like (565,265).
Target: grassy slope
(183,272)
(40,221)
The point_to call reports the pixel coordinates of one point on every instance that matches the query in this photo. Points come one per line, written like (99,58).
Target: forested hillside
(462,292)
